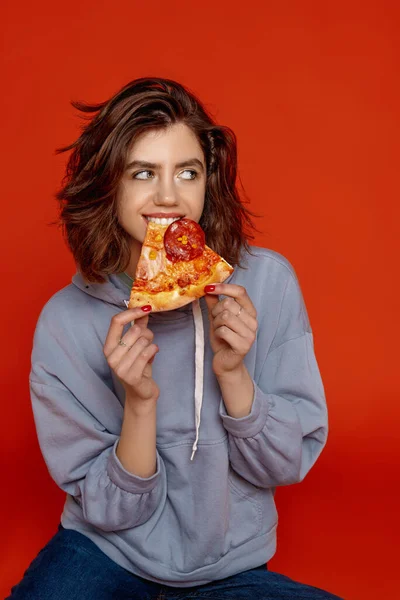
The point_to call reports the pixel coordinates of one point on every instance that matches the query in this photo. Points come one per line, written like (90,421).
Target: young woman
(168,431)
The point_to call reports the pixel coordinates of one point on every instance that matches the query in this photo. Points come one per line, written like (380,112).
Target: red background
(312,91)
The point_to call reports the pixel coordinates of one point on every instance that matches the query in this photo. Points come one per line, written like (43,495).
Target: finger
(230,305)
(117,352)
(134,335)
(237,292)
(115,348)
(237,343)
(119,355)
(142,321)
(129,358)
(134,373)
(211,302)
(119,321)
(236,324)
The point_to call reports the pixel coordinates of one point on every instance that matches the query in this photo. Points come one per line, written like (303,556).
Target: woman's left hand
(233,326)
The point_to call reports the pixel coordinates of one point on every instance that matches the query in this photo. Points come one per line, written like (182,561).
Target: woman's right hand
(132,363)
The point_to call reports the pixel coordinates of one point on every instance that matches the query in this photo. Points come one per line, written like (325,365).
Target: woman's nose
(166,193)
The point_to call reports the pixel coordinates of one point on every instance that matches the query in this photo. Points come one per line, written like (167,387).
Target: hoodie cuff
(252,423)
(128,481)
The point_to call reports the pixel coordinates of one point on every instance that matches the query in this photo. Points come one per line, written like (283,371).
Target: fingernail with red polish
(146,308)
(209,288)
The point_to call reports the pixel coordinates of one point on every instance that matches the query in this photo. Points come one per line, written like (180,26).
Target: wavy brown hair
(88,197)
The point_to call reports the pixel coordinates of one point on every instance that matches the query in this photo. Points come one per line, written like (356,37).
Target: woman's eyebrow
(149,165)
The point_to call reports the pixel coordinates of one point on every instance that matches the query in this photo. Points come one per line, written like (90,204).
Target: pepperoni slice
(184,240)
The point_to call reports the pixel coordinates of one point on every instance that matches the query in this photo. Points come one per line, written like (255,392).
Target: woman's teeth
(162,221)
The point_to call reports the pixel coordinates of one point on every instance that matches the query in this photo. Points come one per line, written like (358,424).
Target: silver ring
(240,310)
(121,343)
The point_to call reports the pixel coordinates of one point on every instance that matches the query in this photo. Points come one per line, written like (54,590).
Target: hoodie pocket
(246,512)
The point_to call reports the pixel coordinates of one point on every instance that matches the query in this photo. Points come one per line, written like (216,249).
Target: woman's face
(164,188)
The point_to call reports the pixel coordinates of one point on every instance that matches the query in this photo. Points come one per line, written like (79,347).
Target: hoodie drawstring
(199,367)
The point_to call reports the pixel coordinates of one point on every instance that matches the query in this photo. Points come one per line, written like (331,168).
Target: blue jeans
(72,567)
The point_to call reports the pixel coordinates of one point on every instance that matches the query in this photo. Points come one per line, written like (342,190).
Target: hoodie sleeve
(81,458)
(71,396)
(286,430)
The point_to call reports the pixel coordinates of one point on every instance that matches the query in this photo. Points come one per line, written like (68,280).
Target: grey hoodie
(208,512)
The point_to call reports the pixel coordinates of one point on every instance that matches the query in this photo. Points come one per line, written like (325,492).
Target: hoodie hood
(114,291)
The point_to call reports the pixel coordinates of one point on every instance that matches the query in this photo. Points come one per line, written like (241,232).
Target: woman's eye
(136,176)
(140,173)
(189,171)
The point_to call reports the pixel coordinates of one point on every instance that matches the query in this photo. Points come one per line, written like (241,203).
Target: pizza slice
(174,266)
